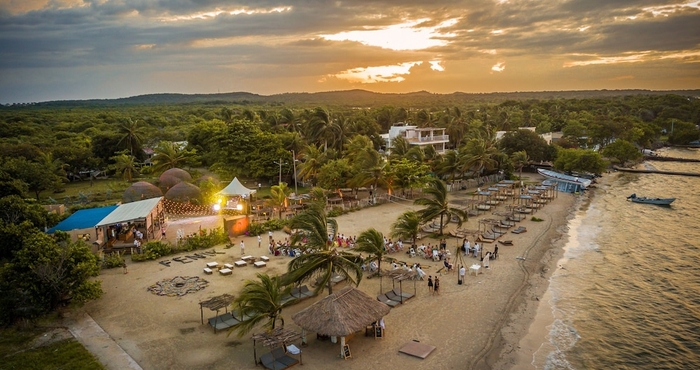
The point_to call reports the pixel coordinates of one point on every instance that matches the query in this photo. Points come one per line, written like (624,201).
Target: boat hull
(655,201)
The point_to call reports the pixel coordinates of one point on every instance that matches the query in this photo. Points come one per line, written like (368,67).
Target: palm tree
(260,301)
(407,226)
(520,160)
(312,161)
(399,147)
(132,135)
(126,165)
(279,194)
(170,155)
(437,204)
(372,241)
(477,155)
(326,259)
(450,164)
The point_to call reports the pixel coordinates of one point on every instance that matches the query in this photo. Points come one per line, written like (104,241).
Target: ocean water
(626,295)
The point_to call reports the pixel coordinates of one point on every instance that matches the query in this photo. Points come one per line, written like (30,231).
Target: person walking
(259,241)
(436,289)
(242,248)
(462,273)
(430,283)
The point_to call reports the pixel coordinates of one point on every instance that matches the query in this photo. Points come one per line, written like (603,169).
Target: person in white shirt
(242,248)
(462,272)
(467,246)
(259,241)
(476,249)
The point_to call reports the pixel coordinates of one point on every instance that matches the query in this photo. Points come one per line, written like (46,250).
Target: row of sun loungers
(226,320)
(394,297)
(519,230)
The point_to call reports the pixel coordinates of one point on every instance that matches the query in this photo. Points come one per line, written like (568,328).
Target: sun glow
(403,36)
(499,67)
(368,75)
(217,12)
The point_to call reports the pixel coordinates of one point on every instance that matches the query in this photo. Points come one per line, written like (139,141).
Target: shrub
(335,212)
(256,228)
(112,261)
(536,219)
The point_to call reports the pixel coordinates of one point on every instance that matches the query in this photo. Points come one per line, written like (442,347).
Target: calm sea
(627,292)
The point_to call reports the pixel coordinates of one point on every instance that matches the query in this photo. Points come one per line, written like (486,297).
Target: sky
(99,49)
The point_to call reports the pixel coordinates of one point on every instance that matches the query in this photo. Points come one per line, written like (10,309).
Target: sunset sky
(84,49)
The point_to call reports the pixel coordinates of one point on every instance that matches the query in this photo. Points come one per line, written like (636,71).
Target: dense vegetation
(334,143)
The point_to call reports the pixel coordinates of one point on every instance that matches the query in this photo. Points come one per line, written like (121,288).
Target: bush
(536,219)
(336,211)
(205,239)
(112,261)
(256,228)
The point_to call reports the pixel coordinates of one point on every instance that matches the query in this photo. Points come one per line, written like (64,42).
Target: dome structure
(178,173)
(184,192)
(139,191)
(166,182)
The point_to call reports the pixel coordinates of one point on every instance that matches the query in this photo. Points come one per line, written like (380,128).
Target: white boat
(657,201)
(567,183)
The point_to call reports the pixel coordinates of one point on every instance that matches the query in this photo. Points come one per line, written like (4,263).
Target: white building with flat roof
(423,137)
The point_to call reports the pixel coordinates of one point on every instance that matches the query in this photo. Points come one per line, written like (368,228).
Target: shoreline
(527,331)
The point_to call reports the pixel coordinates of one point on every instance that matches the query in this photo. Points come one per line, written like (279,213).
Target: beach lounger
(281,356)
(383,298)
(224,321)
(208,271)
(335,279)
(405,295)
(228,266)
(417,349)
(259,264)
(268,360)
(240,263)
(212,264)
(226,271)
(165,263)
(265,258)
(519,230)
(305,292)
(506,242)
(394,297)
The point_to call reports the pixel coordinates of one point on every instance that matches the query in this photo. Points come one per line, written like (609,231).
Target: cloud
(111,48)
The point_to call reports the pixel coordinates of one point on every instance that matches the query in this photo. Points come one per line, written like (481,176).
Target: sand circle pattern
(178,286)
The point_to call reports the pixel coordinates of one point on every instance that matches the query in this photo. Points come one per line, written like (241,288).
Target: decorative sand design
(178,286)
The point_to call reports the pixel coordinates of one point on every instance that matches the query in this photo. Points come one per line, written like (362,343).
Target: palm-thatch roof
(341,313)
(139,191)
(184,192)
(166,182)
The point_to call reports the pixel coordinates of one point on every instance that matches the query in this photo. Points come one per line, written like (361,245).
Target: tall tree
(170,155)
(407,226)
(260,301)
(131,135)
(325,260)
(372,241)
(125,165)
(312,160)
(279,196)
(478,155)
(437,205)
(520,160)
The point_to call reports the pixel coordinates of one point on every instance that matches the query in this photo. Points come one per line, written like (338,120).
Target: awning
(131,212)
(83,219)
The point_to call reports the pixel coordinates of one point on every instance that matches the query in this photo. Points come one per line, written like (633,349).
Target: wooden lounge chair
(506,242)
(224,321)
(305,292)
(383,298)
(405,295)
(269,362)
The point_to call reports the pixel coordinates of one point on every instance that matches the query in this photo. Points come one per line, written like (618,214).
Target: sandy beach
(476,325)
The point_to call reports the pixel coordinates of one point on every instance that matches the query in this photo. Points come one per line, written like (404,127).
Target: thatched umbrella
(139,191)
(340,314)
(184,192)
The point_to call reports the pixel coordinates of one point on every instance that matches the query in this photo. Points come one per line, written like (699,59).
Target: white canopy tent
(235,188)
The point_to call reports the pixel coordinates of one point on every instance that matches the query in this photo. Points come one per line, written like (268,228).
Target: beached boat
(657,201)
(564,182)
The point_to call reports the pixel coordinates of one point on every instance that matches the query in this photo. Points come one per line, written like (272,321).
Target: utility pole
(294,159)
(280,172)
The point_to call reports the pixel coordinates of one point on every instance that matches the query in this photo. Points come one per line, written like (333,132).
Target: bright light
(499,67)
(403,36)
(217,207)
(377,73)
(239,207)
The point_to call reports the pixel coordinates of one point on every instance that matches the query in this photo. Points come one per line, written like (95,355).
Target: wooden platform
(417,349)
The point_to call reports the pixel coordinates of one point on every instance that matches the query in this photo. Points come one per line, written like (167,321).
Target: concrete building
(423,137)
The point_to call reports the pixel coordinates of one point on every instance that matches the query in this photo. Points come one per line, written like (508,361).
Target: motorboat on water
(657,201)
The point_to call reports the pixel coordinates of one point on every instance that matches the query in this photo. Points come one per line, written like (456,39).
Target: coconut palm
(436,204)
(132,135)
(169,155)
(477,155)
(450,164)
(399,147)
(372,241)
(326,260)
(279,196)
(312,161)
(125,165)
(407,226)
(520,160)
(260,301)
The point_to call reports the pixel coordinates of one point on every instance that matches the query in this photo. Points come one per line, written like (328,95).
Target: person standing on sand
(430,283)
(437,286)
(124,267)
(269,236)
(242,248)
(462,272)
(259,241)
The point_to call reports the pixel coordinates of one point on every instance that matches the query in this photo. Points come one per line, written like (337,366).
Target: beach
(475,325)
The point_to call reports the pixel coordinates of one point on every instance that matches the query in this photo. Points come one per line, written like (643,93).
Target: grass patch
(16,353)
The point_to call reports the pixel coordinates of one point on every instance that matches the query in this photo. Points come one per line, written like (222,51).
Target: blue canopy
(83,219)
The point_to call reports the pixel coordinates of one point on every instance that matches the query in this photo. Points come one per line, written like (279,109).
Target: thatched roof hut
(184,192)
(139,191)
(341,313)
(178,173)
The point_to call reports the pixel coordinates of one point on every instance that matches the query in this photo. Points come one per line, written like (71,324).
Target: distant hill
(359,98)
